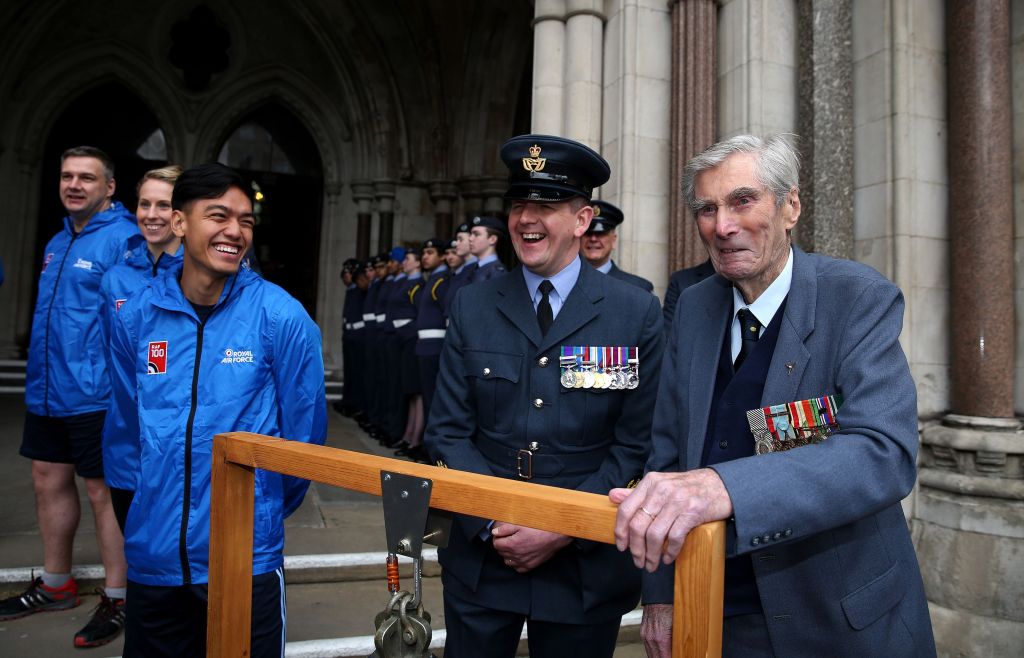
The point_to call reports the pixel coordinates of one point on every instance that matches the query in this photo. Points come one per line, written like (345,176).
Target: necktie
(544,315)
(750,331)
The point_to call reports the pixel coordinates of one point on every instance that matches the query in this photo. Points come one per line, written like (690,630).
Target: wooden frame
(699,570)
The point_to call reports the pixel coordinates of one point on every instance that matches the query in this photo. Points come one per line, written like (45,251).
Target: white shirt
(764,307)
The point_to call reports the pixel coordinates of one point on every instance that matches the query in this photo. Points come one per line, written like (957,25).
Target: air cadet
(352,338)
(462,273)
(485,233)
(600,240)
(376,298)
(409,401)
(553,383)
(392,412)
(430,324)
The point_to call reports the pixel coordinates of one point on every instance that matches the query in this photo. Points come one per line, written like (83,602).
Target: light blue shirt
(488,259)
(563,282)
(764,307)
(606,268)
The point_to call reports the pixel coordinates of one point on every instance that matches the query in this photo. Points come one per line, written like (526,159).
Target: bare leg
(108,533)
(58,512)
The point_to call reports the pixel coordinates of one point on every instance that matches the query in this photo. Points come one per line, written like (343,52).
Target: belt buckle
(528,475)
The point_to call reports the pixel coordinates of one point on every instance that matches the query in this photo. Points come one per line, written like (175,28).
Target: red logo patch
(157,357)
(118,303)
(46,262)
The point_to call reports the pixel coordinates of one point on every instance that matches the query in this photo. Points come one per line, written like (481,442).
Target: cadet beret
(412,250)
(451,244)
(606,217)
(433,243)
(397,253)
(463,228)
(489,221)
(379,259)
(547,168)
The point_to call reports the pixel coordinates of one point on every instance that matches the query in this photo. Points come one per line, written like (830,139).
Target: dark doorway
(275,150)
(114,119)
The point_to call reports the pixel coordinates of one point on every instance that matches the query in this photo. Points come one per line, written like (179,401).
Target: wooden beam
(699,591)
(229,611)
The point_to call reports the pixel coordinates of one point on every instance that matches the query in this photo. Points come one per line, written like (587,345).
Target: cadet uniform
(608,217)
(489,266)
(352,341)
(460,277)
(430,325)
(393,414)
(505,407)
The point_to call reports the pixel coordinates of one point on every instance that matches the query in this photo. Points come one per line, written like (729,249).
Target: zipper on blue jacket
(157,261)
(49,310)
(186,571)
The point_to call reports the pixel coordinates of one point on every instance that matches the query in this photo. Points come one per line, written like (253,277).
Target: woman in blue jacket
(156,249)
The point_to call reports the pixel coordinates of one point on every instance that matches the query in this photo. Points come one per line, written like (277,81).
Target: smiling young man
(67,391)
(208,347)
(485,233)
(506,405)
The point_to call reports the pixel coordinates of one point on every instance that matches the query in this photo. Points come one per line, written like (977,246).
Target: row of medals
(612,377)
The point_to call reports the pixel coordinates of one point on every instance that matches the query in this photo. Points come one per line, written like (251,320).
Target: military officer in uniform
(430,322)
(509,403)
(600,240)
(352,338)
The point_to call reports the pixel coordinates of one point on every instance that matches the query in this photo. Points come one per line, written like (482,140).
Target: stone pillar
(693,117)
(471,192)
(21,260)
(548,72)
(969,518)
(442,195)
(362,194)
(493,191)
(584,39)
(825,126)
(384,192)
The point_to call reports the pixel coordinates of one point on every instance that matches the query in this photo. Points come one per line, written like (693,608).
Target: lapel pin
(789,368)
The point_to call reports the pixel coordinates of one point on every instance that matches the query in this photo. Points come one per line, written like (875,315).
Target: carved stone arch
(321,117)
(48,92)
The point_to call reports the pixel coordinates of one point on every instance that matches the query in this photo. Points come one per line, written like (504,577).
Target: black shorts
(171,621)
(74,440)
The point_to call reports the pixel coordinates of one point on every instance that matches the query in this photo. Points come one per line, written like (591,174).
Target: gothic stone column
(584,49)
(548,71)
(969,514)
(692,119)
(384,192)
(825,114)
(362,194)
(442,194)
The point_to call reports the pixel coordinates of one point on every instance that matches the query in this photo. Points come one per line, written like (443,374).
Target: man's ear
(793,202)
(178,223)
(111,186)
(583,218)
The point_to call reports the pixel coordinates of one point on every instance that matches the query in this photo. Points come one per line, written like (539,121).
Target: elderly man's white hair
(778,165)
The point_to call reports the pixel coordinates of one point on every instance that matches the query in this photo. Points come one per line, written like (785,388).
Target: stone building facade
(373,123)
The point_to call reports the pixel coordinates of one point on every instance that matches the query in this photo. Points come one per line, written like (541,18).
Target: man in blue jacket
(209,347)
(67,391)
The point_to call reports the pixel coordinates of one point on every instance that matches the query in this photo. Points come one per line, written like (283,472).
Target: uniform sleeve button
(766,538)
(756,541)
(787,533)
(538,403)
(777,536)
(487,371)
(543,362)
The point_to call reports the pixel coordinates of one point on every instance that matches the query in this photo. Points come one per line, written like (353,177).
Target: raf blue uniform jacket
(832,555)
(494,367)
(638,281)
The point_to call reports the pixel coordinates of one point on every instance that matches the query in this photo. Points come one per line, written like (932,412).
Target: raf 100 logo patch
(157,359)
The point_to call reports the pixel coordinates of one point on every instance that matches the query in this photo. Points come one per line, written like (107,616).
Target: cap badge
(534,163)
(597,210)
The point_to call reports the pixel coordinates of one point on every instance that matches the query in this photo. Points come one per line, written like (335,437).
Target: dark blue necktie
(544,314)
(750,331)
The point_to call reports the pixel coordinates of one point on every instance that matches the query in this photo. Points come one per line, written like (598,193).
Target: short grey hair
(778,163)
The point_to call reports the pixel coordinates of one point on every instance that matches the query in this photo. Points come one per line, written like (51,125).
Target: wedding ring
(646,511)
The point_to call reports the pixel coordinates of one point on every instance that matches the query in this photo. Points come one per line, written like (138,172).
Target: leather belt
(528,463)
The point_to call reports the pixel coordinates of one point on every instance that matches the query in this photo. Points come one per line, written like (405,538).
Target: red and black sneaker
(106,623)
(40,598)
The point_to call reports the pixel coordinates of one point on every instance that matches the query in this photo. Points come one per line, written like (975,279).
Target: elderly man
(787,408)
(601,238)
(508,405)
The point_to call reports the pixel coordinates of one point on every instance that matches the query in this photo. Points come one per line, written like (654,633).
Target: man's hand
(656,630)
(667,506)
(524,549)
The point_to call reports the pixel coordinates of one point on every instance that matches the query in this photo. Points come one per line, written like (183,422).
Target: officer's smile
(532,237)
